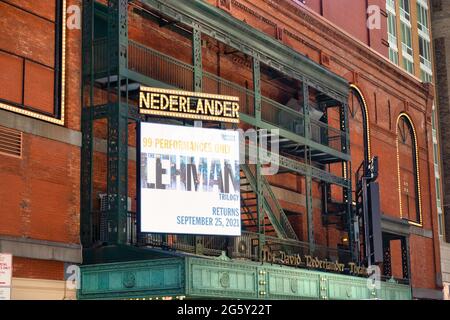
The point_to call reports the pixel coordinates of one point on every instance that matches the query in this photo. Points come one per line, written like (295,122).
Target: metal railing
(327,135)
(156,65)
(99,227)
(161,67)
(218,85)
(293,121)
(100,55)
(164,68)
(294,247)
(282,116)
(245,246)
(392,279)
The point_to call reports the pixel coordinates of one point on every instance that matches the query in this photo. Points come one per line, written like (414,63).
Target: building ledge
(394,225)
(41,249)
(399,226)
(428,294)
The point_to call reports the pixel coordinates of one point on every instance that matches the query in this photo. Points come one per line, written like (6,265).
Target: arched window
(360,137)
(408,170)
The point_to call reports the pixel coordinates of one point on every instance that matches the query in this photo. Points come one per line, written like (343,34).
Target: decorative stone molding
(224,5)
(203,277)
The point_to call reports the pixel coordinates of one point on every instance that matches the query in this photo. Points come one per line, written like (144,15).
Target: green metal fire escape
(116,65)
(108,62)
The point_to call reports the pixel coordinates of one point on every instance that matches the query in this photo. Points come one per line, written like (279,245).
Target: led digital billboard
(189,180)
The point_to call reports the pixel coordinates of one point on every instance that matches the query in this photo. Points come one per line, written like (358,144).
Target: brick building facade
(40,146)
(388,92)
(390,114)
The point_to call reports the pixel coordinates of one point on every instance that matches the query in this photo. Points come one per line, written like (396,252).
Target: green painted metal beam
(117,155)
(260,203)
(346,171)
(307,159)
(235,33)
(87,146)
(283,230)
(197,58)
(146,81)
(294,137)
(198,85)
(309,211)
(303,168)
(256,120)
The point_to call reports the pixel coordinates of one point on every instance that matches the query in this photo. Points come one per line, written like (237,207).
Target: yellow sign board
(188,105)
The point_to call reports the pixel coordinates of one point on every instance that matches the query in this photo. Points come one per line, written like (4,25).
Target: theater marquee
(188,105)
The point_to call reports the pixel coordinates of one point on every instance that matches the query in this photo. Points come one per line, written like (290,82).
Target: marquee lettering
(191,105)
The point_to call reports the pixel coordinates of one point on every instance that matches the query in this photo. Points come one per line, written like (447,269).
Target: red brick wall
(27,57)
(339,13)
(36,55)
(42,197)
(11,77)
(73,75)
(40,193)
(38,269)
(351,16)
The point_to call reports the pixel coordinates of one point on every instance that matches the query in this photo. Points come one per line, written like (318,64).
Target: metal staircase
(275,221)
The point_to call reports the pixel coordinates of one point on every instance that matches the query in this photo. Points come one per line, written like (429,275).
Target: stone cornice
(41,249)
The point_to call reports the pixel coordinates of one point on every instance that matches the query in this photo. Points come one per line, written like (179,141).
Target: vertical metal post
(138,180)
(308,177)
(259,193)
(347,192)
(117,185)
(307,124)
(405,257)
(86,125)
(198,83)
(309,209)
(366,221)
(257,87)
(197,58)
(387,268)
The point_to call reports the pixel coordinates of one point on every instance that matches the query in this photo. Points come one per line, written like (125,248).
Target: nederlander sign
(295,260)
(190,105)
